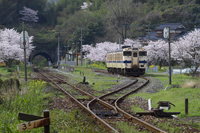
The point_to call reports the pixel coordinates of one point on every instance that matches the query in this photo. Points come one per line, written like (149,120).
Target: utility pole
(122,34)
(119,43)
(81,45)
(58,51)
(169,58)
(72,40)
(65,54)
(24,43)
(76,54)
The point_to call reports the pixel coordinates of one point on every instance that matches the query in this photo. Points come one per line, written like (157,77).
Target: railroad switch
(84,79)
(165,105)
(158,112)
(106,114)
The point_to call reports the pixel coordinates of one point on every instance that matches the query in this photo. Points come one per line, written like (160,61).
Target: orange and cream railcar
(128,61)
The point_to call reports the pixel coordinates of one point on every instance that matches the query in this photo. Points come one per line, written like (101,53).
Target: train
(130,61)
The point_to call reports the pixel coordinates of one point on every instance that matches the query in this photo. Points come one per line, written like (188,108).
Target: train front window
(143,53)
(134,54)
(127,53)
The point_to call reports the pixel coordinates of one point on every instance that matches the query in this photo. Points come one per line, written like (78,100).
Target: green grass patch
(126,128)
(97,81)
(176,96)
(32,98)
(178,79)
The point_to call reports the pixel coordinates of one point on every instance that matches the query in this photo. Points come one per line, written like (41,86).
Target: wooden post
(186,106)
(46,115)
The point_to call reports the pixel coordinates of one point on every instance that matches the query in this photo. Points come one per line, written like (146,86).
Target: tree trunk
(9,63)
(160,64)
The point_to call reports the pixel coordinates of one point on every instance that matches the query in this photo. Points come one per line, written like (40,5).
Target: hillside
(100,20)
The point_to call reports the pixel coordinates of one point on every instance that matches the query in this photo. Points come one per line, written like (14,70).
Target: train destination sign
(34,124)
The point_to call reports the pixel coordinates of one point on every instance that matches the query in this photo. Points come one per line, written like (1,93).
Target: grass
(176,96)
(97,81)
(32,99)
(177,79)
(12,72)
(126,128)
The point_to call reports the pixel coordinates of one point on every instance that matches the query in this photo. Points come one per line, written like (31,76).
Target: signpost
(34,121)
(34,124)
(166,34)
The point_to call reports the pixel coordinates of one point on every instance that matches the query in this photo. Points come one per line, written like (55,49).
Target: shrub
(10,70)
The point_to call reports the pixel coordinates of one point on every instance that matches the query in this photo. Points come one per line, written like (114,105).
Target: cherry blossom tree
(98,53)
(29,15)
(185,51)
(85,5)
(157,51)
(10,46)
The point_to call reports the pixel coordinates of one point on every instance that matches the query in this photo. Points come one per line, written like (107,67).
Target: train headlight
(143,49)
(126,49)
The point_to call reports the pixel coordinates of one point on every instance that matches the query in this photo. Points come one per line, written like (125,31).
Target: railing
(70,63)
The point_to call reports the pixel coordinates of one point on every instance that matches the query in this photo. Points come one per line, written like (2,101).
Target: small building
(176,30)
(2,63)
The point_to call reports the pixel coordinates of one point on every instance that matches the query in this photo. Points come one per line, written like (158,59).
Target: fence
(67,68)
(70,63)
(151,69)
(73,63)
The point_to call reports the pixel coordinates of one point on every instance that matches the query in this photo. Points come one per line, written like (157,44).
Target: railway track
(94,106)
(49,77)
(120,99)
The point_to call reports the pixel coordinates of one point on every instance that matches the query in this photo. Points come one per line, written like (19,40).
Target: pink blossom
(29,15)
(10,45)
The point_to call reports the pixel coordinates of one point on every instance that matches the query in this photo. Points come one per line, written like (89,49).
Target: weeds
(189,84)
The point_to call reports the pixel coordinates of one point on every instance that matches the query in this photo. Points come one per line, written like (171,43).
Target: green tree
(120,14)
(93,31)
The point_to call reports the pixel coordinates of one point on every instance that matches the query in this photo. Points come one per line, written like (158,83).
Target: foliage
(39,61)
(46,38)
(99,65)
(32,99)
(103,20)
(98,52)
(157,51)
(14,103)
(29,15)
(10,46)
(186,50)
(121,14)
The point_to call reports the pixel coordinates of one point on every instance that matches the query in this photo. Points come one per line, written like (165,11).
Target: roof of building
(172,26)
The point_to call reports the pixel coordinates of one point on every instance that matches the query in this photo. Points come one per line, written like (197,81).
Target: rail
(127,115)
(81,105)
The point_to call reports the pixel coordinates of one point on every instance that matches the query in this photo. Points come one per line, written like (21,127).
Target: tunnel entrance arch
(45,55)
(48,54)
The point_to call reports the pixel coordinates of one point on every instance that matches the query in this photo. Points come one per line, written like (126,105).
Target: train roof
(120,50)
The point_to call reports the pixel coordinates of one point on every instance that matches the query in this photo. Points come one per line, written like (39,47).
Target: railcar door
(135,60)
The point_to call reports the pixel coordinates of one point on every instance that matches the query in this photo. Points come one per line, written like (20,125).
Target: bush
(99,65)
(10,70)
